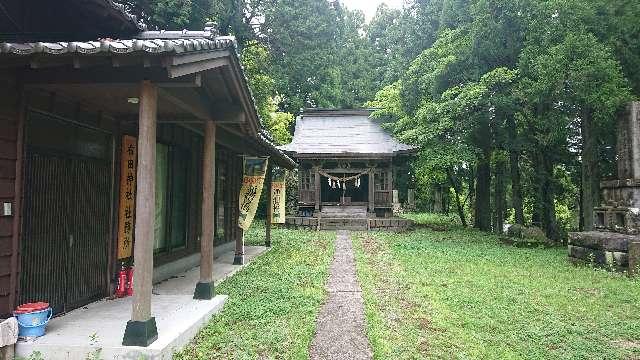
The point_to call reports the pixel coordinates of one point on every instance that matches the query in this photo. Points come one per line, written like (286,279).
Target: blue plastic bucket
(34,323)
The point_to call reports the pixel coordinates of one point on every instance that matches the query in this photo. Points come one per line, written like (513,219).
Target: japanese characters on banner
(278,198)
(126,212)
(254,170)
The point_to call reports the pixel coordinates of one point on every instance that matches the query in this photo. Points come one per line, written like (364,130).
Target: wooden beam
(191,68)
(229,113)
(372,192)
(189,102)
(198,57)
(97,75)
(80,62)
(188,81)
(267,225)
(49,62)
(15,230)
(141,329)
(247,103)
(316,171)
(204,288)
(238,233)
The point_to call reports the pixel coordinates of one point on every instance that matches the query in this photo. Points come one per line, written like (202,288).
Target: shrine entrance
(336,191)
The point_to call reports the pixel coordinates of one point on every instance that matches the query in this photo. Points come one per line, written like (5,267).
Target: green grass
(461,294)
(272,303)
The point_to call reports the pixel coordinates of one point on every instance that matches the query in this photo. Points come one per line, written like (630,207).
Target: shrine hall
(350,169)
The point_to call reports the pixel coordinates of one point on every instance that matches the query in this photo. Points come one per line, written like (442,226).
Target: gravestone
(617,219)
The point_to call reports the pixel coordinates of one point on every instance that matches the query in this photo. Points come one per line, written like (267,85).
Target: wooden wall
(9,115)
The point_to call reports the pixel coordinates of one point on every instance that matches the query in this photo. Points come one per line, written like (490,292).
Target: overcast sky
(369,6)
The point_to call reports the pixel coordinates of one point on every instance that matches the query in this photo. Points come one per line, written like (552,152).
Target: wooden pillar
(267,225)
(238,259)
(372,191)
(204,288)
(390,184)
(141,329)
(17,209)
(316,171)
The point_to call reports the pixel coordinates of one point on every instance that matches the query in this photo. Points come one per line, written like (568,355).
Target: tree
(172,14)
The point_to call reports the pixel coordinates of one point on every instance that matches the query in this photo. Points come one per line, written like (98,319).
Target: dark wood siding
(9,114)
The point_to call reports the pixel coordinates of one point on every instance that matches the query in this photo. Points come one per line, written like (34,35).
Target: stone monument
(615,243)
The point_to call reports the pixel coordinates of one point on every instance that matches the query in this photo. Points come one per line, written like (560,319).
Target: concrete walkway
(340,332)
(95,330)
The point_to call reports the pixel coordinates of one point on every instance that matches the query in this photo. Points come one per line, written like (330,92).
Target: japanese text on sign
(254,171)
(126,212)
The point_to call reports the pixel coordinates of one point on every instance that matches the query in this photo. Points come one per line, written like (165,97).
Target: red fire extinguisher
(121,291)
(130,281)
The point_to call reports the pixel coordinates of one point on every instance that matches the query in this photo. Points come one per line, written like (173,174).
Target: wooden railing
(307,196)
(383,197)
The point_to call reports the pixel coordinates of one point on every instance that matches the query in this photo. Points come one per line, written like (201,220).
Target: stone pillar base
(204,291)
(238,259)
(140,333)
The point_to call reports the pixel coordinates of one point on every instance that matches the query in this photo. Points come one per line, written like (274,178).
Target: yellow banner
(127,209)
(278,197)
(254,170)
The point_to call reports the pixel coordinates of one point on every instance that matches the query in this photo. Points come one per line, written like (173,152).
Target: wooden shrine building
(346,160)
(115,139)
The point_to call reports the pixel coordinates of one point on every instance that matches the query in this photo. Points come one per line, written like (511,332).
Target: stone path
(340,327)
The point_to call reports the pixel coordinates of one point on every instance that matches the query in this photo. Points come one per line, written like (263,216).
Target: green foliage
(461,294)
(256,60)
(273,303)
(514,77)
(430,219)
(172,14)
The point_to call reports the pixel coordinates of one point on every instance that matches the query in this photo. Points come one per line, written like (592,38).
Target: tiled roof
(143,44)
(152,42)
(342,132)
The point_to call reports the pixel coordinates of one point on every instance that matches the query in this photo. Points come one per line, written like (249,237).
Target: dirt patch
(371,246)
(588,291)
(627,344)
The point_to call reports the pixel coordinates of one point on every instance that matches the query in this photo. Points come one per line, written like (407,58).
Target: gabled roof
(179,52)
(325,133)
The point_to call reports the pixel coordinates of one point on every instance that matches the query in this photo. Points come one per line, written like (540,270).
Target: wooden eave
(194,85)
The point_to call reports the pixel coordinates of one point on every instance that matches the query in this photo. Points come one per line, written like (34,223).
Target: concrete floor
(95,331)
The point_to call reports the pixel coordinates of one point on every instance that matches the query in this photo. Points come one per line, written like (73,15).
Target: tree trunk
(437,199)
(514,163)
(499,195)
(457,190)
(482,218)
(590,176)
(545,209)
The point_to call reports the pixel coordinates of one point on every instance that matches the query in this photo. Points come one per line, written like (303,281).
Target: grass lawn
(272,303)
(461,294)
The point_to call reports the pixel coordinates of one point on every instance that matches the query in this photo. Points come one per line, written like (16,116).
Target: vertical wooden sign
(126,212)
(278,196)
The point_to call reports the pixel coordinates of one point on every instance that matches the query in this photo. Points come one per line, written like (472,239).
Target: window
(307,180)
(381,181)
(172,174)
